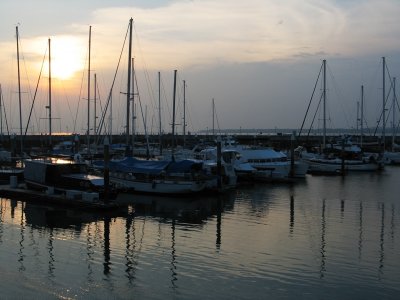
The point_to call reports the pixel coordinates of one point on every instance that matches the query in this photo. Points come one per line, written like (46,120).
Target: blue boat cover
(133,165)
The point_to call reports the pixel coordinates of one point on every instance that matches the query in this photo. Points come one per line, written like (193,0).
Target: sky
(257,61)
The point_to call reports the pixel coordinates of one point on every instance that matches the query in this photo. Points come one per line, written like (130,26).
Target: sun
(67,57)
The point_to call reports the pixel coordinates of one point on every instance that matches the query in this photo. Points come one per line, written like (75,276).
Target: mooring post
(343,168)
(106,170)
(292,140)
(219,164)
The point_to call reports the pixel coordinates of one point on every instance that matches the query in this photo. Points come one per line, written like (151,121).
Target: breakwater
(278,141)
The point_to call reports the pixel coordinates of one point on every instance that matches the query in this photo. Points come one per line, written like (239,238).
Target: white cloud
(188,33)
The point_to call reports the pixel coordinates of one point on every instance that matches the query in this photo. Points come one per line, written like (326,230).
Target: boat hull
(159,186)
(335,166)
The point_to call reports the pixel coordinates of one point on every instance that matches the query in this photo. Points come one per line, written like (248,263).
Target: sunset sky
(258,60)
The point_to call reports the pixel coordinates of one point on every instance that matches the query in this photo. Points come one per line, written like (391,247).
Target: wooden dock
(22,193)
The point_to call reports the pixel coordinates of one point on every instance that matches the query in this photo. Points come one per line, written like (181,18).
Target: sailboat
(166,176)
(63,176)
(340,157)
(8,164)
(392,156)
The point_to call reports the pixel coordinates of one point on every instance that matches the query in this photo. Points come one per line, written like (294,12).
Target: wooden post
(342,167)
(106,170)
(219,164)
(292,166)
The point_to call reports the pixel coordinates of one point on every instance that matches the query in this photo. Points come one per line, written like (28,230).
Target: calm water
(322,238)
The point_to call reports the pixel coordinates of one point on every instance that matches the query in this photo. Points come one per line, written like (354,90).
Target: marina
(322,237)
(119,181)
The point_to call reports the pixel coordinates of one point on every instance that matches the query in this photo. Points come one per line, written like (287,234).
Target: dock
(22,193)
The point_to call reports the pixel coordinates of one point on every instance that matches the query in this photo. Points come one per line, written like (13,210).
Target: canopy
(133,165)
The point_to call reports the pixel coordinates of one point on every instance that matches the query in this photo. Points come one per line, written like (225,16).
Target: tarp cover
(133,165)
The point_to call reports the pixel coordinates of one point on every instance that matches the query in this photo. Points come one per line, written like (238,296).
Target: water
(321,238)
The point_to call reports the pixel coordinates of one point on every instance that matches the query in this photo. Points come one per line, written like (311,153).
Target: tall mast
(362,116)
(184,113)
(128,92)
(324,107)
(393,116)
(213,118)
(88,96)
(159,111)
(19,91)
(110,115)
(49,107)
(1,112)
(173,117)
(95,107)
(358,116)
(133,105)
(383,102)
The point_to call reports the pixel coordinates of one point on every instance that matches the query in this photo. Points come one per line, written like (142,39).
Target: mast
(88,96)
(393,116)
(95,108)
(133,104)
(383,103)
(19,90)
(324,106)
(159,110)
(184,113)
(213,117)
(128,92)
(110,120)
(358,116)
(362,116)
(173,117)
(49,107)
(1,112)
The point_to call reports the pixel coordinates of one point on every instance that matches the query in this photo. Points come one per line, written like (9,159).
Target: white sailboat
(392,157)
(337,158)
(159,177)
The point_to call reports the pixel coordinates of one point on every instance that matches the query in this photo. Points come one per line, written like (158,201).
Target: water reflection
(21,254)
(291,222)
(106,246)
(255,240)
(50,247)
(174,276)
(382,240)
(360,231)
(130,247)
(172,211)
(323,242)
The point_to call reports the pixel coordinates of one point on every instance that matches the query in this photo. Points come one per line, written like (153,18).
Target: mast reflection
(382,240)
(129,249)
(323,242)
(219,225)
(360,231)
(342,209)
(50,247)
(173,267)
(21,242)
(106,246)
(291,222)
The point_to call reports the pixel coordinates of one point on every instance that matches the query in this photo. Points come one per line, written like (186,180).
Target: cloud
(198,33)
(209,37)
(183,34)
